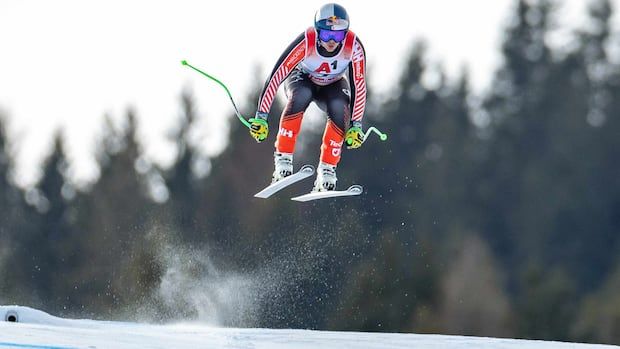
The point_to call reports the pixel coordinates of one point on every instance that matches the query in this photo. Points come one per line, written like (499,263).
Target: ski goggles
(337,35)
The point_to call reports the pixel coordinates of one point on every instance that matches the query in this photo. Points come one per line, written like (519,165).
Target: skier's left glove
(354,137)
(259,128)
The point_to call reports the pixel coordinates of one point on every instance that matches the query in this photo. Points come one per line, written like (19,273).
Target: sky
(64,64)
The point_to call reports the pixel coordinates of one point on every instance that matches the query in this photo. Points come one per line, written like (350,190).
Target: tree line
(494,214)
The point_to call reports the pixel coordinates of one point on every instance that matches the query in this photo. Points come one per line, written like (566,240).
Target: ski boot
(325,178)
(283,166)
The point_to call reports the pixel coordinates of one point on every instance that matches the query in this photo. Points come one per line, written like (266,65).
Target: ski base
(352,191)
(304,172)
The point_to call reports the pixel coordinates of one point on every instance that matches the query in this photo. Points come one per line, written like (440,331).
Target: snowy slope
(38,330)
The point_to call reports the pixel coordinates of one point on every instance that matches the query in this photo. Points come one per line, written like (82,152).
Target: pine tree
(393,290)
(16,222)
(54,241)
(114,215)
(547,306)
(474,300)
(575,170)
(518,108)
(599,314)
(183,184)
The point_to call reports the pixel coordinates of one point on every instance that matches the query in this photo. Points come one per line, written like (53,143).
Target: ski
(304,172)
(353,190)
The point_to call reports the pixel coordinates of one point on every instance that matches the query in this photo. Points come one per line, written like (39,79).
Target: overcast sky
(66,63)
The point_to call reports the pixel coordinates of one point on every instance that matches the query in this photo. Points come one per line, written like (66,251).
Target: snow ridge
(35,329)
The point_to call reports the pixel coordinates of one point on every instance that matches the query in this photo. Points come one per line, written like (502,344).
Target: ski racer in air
(325,64)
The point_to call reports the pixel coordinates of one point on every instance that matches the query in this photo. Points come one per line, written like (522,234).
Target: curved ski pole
(382,136)
(241,118)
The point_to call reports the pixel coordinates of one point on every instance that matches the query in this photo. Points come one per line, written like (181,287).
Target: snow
(35,329)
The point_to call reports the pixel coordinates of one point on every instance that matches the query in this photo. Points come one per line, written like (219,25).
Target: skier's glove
(354,137)
(259,129)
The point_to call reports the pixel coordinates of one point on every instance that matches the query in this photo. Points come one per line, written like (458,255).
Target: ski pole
(241,118)
(382,136)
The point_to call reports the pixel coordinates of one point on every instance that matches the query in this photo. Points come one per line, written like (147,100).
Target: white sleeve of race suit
(358,82)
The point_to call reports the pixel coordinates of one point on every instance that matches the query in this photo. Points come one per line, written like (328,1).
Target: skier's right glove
(259,128)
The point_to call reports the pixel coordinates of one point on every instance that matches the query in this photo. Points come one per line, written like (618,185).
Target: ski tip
(356,189)
(307,169)
(184,62)
(304,172)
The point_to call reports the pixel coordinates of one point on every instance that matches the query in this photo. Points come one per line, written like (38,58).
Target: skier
(315,67)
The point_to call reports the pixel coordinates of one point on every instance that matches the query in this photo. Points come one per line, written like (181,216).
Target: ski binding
(315,195)
(304,172)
